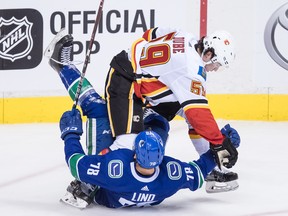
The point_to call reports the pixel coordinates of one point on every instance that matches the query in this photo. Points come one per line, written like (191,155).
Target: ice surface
(34,174)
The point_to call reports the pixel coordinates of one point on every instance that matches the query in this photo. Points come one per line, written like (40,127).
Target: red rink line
(23,178)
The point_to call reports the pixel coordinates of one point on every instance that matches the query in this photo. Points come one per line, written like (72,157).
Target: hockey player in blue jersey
(152,176)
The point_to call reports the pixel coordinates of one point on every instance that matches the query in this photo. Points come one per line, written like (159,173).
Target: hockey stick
(87,58)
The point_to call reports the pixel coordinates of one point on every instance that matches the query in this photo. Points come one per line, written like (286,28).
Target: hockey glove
(71,124)
(225,154)
(230,132)
(157,123)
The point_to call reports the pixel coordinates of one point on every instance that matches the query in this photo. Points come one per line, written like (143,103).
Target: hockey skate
(59,51)
(79,194)
(221,181)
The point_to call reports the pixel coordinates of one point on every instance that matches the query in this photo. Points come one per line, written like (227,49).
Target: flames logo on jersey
(15,38)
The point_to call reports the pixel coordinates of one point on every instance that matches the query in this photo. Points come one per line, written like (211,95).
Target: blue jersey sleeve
(206,163)
(73,147)
(196,171)
(187,175)
(101,170)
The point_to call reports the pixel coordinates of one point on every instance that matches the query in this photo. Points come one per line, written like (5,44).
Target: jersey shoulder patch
(115,169)
(174,170)
(202,72)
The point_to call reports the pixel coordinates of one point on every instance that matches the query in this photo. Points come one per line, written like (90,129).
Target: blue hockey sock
(92,104)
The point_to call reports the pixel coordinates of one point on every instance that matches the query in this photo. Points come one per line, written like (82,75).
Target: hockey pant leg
(124,107)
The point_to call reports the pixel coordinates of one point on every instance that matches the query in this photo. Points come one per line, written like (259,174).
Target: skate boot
(221,181)
(59,51)
(79,194)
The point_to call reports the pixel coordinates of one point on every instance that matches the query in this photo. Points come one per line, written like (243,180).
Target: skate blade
(219,187)
(50,48)
(69,199)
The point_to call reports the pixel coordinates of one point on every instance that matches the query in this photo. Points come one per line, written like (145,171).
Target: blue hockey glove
(232,134)
(156,123)
(71,124)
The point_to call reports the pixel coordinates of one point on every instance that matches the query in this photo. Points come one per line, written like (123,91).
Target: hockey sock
(70,77)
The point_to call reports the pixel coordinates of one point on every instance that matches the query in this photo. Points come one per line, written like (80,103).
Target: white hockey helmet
(223,45)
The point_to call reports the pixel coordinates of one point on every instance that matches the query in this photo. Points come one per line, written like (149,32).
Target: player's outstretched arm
(197,171)
(206,163)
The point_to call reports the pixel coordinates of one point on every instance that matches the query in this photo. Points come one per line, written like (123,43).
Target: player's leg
(98,137)
(91,103)
(59,52)
(124,107)
(98,132)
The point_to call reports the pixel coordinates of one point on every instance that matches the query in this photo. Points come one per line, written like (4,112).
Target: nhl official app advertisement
(21,38)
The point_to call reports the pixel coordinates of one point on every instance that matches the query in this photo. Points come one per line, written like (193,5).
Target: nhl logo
(16,40)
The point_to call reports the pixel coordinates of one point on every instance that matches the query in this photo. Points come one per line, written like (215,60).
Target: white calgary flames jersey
(169,69)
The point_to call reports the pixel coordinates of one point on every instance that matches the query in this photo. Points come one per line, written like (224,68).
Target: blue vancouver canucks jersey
(121,185)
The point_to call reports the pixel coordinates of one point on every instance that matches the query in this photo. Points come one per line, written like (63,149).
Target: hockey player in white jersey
(166,70)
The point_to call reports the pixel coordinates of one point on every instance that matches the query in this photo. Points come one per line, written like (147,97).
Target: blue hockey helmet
(149,149)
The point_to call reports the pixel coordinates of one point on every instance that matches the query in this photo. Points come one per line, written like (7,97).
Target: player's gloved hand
(71,124)
(157,123)
(225,154)
(232,133)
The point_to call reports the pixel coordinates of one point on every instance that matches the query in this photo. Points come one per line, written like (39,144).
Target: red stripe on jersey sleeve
(204,124)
